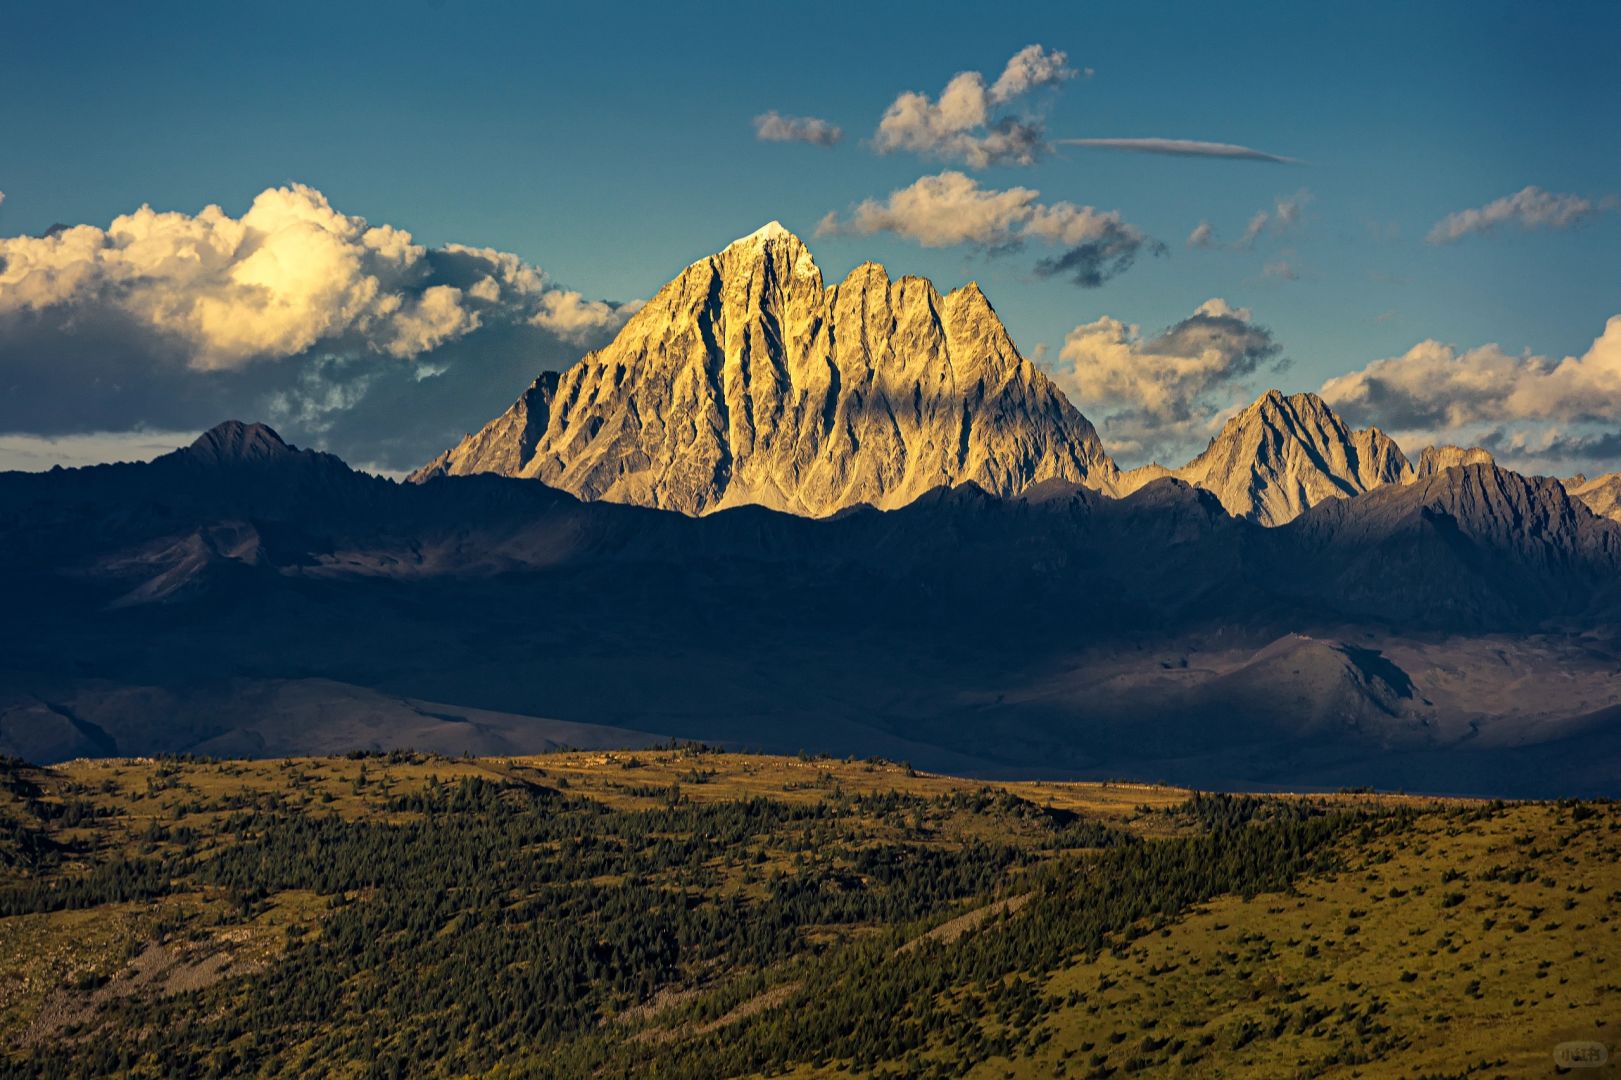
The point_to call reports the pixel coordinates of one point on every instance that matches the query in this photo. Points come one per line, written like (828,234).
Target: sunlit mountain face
(823,542)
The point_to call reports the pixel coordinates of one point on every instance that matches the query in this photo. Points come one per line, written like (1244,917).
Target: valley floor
(683,911)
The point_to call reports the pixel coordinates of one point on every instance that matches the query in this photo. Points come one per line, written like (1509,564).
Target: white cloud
(1202,236)
(1434,384)
(951,209)
(292,275)
(1160,396)
(572,316)
(435,318)
(329,327)
(1528,208)
(774,127)
(1523,406)
(1029,68)
(962,124)
(942,211)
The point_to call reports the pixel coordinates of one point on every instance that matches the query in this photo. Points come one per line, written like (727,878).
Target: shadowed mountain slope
(1062,632)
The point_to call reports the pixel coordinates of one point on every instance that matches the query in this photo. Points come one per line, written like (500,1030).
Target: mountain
(234,441)
(1282,455)
(1473,541)
(745,381)
(504,445)
(1602,494)
(243,596)
(1436,459)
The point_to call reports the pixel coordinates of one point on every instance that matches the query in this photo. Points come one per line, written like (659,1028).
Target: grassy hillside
(691,913)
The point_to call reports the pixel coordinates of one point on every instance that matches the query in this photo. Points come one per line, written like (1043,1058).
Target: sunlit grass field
(688,912)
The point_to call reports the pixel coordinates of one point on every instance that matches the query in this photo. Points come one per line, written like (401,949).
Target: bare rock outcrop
(1437,459)
(1602,494)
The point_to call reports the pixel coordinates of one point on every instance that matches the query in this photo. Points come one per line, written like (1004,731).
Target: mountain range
(849,519)
(745,381)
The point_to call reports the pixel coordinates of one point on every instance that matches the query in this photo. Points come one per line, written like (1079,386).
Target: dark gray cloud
(1562,452)
(1092,263)
(1160,396)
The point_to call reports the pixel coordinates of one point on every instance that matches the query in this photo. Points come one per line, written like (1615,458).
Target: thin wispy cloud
(1181,148)
(1529,208)
(775,127)
(1285,215)
(1281,270)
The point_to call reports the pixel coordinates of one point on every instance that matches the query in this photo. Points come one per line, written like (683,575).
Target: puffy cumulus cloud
(951,209)
(296,313)
(1528,208)
(941,211)
(963,123)
(1159,396)
(575,318)
(1439,385)
(288,276)
(774,127)
(1526,407)
(1029,68)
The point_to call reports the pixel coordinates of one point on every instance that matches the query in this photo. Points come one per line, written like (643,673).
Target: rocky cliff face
(1602,494)
(746,381)
(1284,454)
(1438,459)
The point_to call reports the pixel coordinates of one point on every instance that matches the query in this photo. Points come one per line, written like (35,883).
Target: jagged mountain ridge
(1282,455)
(1059,629)
(745,381)
(1602,494)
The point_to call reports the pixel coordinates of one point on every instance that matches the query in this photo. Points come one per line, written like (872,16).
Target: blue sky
(611,146)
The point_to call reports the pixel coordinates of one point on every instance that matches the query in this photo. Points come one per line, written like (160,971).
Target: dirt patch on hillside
(948,932)
(160,970)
